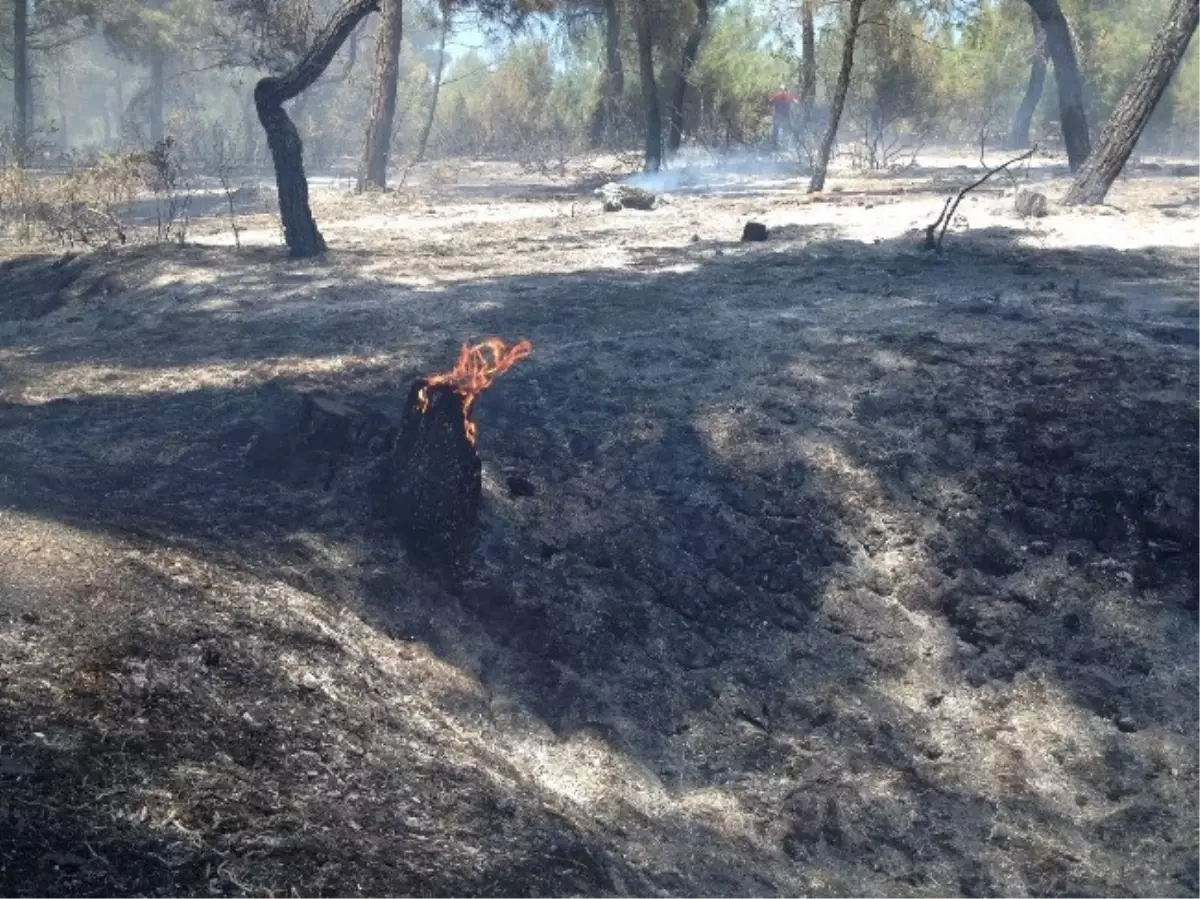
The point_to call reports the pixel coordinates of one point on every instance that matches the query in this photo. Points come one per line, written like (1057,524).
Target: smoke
(697,169)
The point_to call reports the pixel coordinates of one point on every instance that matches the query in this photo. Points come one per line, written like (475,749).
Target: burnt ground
(822,565)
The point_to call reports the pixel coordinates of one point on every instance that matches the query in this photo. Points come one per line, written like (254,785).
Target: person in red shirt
(782,102)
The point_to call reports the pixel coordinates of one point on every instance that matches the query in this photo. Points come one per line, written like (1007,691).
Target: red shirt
(782,101)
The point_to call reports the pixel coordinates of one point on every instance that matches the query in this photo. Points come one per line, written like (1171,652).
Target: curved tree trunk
(821,163)
(604,116)
(1019,138)
(645,40)
(691,49)
(431,113)
(383,97)
(1137,104)
(287,151)
(21,79)
(808,62)
(1071,111)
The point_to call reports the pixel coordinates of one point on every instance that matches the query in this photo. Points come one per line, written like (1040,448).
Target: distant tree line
(295,80)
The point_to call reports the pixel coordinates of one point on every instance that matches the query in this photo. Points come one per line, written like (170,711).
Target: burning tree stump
(432,478)
(435,476)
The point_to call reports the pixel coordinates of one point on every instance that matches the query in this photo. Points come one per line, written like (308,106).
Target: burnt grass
(891,556)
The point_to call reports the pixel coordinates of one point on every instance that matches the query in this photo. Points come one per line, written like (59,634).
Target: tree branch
(952,202)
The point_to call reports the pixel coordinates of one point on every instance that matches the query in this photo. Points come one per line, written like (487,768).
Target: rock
(616,197)
(754,231)
(1031,204)
(1126,724)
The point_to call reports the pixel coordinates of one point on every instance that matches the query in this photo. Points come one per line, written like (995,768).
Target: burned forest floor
(822,565)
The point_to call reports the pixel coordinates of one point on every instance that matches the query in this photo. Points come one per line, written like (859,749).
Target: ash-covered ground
(821,565)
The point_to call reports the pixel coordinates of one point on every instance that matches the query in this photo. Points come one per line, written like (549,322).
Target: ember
(477,367)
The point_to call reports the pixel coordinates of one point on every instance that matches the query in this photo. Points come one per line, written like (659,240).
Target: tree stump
(432,479)
(754,231)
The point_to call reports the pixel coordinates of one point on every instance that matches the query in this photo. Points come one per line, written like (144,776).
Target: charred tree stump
(432,480)
(287,151)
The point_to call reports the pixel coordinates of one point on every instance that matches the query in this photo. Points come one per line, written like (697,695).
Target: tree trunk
(60,96)
(821,163)
(157,89)
(604,116)
(1136,106)
(1066,75)
(21,80)
(431,115)
(1019,139)
(808,62)
(287,151)
(645,40)
(383,97)
(691,49)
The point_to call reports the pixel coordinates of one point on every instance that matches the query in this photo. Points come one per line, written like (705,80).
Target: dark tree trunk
(383,97)
(691,49)
(21,80)
(1019,139)
(645,40)
(821,163)
(157,89)
(287,151)
(1137,104)
(431,113)
(604,116)
(1071,111)
(808,62)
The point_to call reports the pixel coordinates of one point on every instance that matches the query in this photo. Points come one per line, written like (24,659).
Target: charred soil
(815,565)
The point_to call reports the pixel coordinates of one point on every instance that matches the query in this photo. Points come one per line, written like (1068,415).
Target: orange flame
(477,367)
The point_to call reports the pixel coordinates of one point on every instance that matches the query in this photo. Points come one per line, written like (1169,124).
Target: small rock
(754,231)
(1031,204)
(1074,558)
(932,751)
(615,197)
(308,682)
(1126,725)
(695,238)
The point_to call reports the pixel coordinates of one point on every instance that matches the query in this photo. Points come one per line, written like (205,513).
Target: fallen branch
(952,202)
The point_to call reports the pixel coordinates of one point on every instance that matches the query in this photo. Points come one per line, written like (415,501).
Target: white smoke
(695,169)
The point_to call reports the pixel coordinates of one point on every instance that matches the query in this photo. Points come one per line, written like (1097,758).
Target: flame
(474,372)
